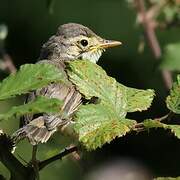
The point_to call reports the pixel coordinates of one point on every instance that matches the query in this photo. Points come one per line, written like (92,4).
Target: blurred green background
(31,23)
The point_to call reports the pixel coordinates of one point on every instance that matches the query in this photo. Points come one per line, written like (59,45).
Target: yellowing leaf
(98,124)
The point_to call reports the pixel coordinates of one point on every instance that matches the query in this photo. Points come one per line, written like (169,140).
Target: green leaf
(92,81)
(39,105)
(99,124)
(139,100)
(28,78)
(175,129)
(170,12)
(171,58)
(173,100)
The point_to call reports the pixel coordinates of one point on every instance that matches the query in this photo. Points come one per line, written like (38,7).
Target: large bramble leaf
(173,100)
(28,78)
(97,124)
(39,105)
(175,129)
(171,57)
(92,81)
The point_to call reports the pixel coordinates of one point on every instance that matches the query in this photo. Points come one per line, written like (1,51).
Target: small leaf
(149,123)
(175,129)
(170,12)
(98,124)
(139,100)
(173,100)
(171,58)
(39,105)
(28,78)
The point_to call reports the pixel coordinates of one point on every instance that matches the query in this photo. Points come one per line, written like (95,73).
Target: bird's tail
(35,131)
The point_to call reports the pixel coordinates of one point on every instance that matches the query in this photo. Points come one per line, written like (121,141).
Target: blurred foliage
(171,57)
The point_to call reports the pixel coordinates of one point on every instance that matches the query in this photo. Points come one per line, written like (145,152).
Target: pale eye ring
(84,42)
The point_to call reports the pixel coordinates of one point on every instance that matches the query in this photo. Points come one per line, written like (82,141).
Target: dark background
(31,23)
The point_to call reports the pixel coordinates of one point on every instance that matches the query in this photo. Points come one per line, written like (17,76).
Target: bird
(72,41)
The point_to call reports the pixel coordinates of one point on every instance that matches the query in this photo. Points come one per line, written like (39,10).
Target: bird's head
(75,41)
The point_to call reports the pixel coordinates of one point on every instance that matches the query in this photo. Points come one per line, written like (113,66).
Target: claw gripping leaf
(97,124)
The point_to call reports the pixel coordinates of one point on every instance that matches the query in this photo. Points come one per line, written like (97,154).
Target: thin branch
(34,152)
(13,164)
(149,29)
(46,162)
(155,10)
(35,162)
(17,169)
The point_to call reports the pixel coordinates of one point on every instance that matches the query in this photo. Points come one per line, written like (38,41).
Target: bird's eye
(84,42)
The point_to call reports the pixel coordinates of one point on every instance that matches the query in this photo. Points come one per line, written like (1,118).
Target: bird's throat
(92,56)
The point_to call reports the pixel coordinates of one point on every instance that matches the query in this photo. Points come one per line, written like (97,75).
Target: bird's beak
(109,43)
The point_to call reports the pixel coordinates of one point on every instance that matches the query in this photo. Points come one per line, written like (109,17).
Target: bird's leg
(34,161)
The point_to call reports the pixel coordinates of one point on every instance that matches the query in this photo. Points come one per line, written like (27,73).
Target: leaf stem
(167,116)
(140,126)
(35,162)
(46,162)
